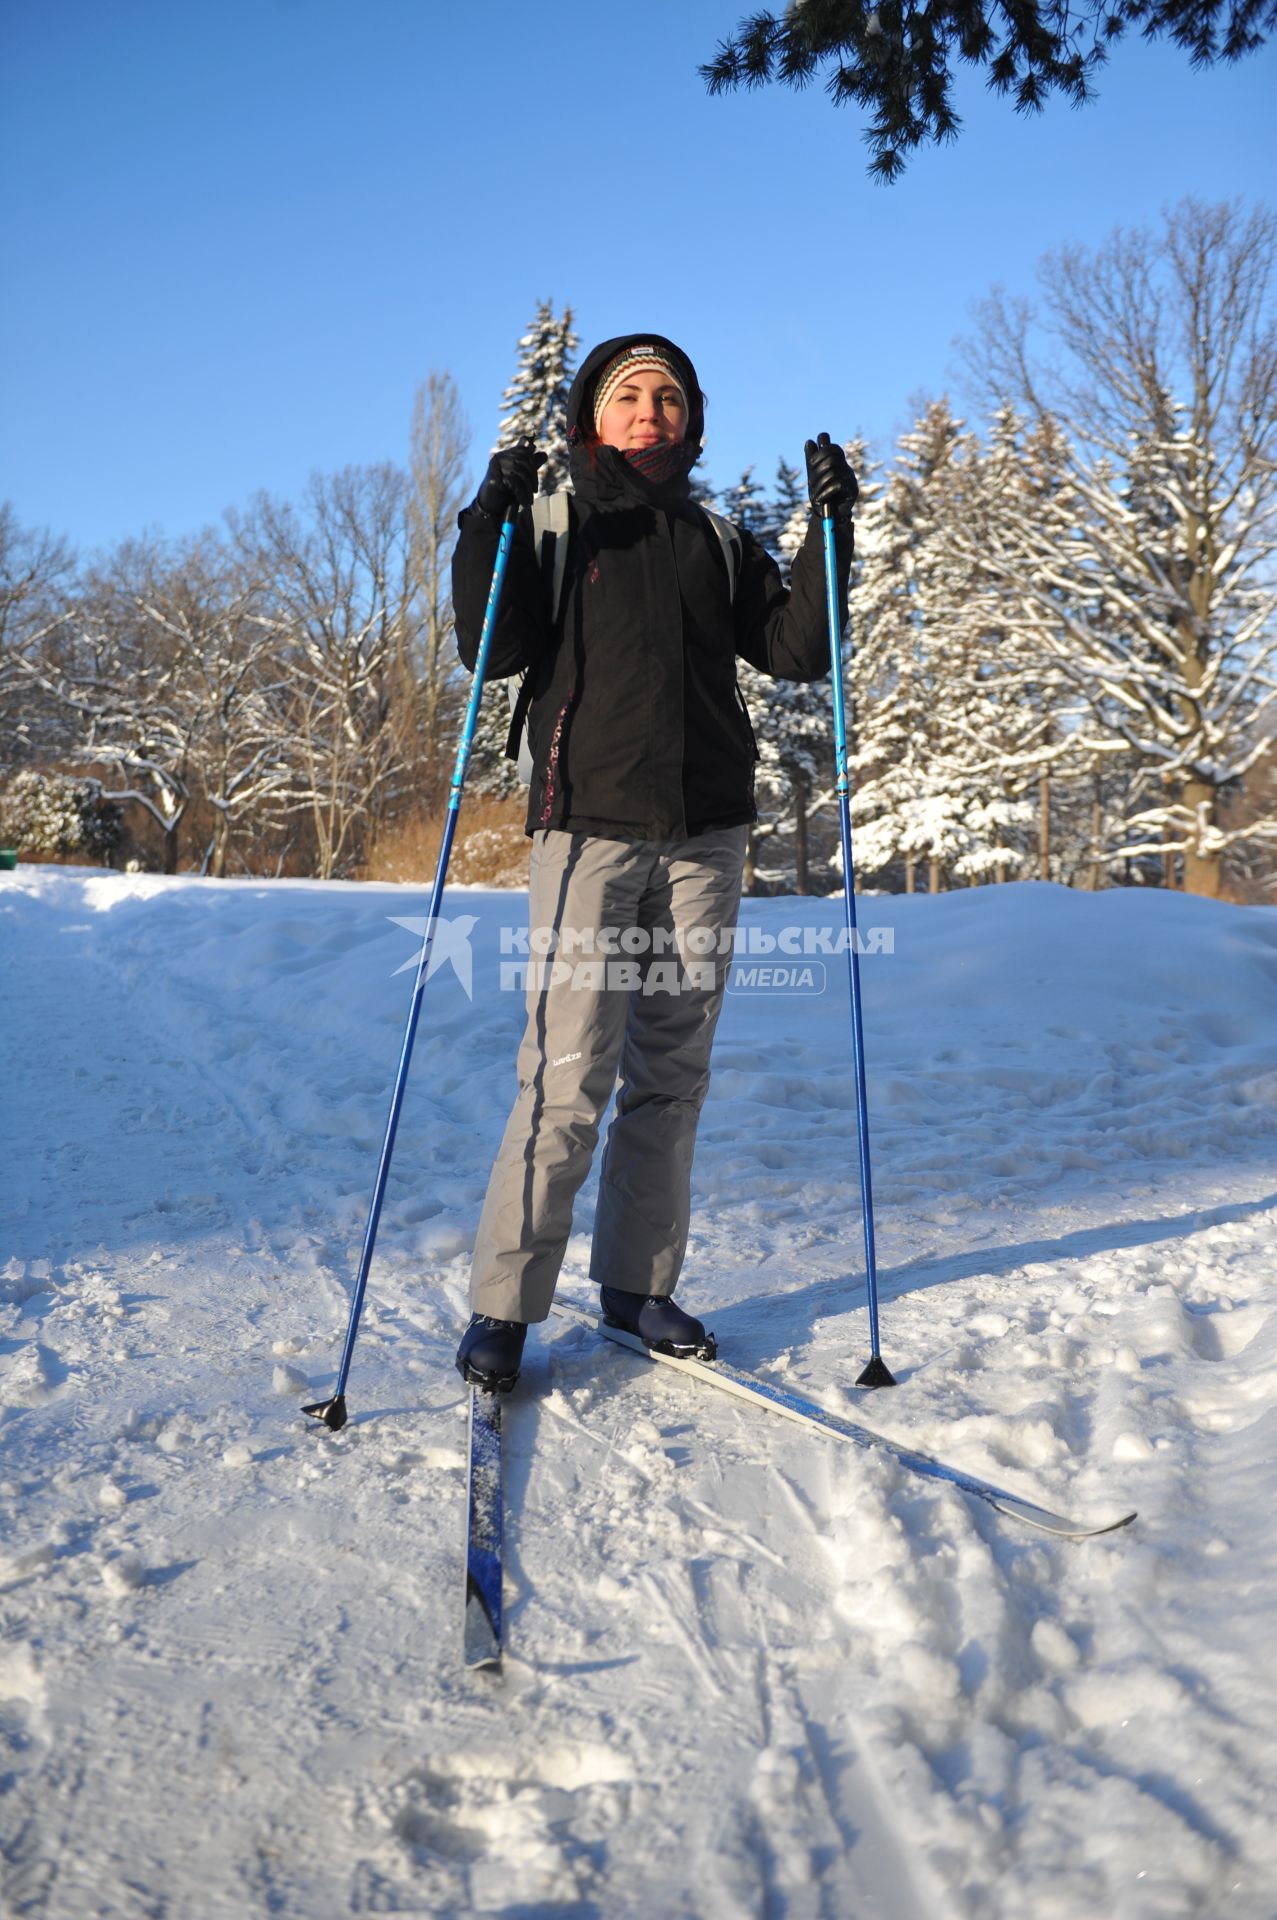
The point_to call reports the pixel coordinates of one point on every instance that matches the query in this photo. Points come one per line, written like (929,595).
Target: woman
(641,799)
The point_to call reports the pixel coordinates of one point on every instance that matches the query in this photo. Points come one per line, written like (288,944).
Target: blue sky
(239,235)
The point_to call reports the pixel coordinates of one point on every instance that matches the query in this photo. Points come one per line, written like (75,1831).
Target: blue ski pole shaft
(875,1374)
(333,1412)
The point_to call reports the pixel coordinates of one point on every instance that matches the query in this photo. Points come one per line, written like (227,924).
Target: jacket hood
(581,394)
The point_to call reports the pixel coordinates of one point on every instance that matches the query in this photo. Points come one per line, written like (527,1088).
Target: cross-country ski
(792,1406)
(481,1633)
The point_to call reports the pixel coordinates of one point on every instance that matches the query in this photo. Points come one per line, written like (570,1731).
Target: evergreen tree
(898,62)
(1023,719)
(794,724)
(789,513)
(743,503)
(1149,562)
(794,720)
(535,406)
(934,676)
(536,400)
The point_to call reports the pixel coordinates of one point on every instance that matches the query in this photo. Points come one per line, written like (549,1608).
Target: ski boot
(659,1324)
(490,1353)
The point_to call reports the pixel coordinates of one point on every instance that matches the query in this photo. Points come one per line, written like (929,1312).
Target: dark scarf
(667,460)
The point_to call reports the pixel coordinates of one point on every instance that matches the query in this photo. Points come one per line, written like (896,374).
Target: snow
(749,1672)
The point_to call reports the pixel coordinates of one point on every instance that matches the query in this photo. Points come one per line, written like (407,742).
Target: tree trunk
(910,870)
(751,855)
(221,847)
(933,874)
(1202,874)
(170,848)
(1044,825)
(1097,841)
(800,835)
(1201,870)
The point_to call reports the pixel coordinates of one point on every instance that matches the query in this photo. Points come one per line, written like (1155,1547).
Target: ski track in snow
(749,1672)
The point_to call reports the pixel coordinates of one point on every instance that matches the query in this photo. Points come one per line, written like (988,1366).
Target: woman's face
(646,410)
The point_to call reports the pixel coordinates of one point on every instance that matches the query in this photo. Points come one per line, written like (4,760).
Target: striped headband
(628,362)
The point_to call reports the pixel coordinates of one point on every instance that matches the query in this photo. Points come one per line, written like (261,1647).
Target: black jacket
(637,726)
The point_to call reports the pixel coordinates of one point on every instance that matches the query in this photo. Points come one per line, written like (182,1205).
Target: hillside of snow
(750,1672)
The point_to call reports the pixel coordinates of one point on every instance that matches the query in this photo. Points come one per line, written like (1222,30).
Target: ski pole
(876,1373)
(333,1412)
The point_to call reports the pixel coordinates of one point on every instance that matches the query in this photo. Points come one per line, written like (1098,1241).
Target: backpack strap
(733,552)
(733,548)
(551,523)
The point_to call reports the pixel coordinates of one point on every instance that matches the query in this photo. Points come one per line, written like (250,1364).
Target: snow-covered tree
(794,720)
(342,587)
(1149,561)
(790,510)
(535,405)
(702,491)
(126,687)
(535,402)
(227,642)
(744,504)
(1024,719)
(934,675)
(170,670)
(36,577)
(51,813)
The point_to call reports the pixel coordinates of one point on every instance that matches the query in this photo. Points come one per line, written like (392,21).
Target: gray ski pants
(632,984)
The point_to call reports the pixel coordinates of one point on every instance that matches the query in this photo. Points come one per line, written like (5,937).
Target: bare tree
(36,582)
(439,459)
(343,588)
(123,679)
(227,645)
(164,668)
(1148,558)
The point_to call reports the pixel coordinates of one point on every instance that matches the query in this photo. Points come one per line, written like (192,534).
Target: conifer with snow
(535,405)
(933,676)
(1149,559)
(535,402)
(51,813)
(794,720)
(744,504)
(790,510)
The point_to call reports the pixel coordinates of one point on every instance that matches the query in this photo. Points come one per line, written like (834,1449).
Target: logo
(805,977)
(450,946)
(645,960)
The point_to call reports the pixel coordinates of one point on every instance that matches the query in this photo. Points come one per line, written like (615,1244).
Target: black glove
(830,480)
(511,480)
